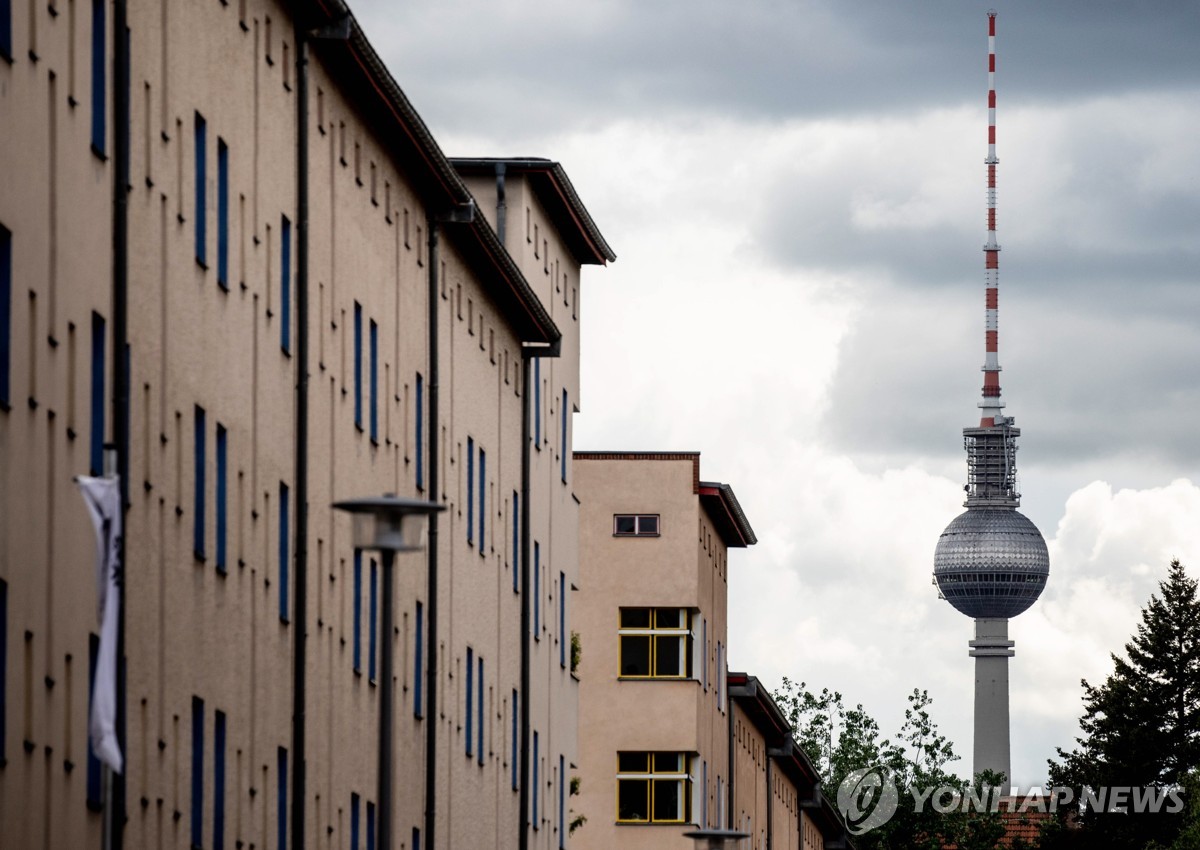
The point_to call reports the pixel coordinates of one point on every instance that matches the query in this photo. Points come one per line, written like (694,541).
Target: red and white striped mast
(991,404)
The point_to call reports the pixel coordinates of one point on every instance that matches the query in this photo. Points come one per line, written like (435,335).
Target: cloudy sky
(795,191)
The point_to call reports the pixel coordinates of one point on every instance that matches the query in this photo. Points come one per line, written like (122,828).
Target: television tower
(991,562)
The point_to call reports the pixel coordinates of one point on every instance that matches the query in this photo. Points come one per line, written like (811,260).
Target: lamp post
(716,839)
(389,524)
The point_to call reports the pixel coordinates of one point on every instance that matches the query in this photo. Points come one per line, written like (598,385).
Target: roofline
(599,251)
(694,457)
(733,511)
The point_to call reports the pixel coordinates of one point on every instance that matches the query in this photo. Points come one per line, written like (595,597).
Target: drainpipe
(431,602)
(770,807)
(526,610)
(730,784)
(501,204)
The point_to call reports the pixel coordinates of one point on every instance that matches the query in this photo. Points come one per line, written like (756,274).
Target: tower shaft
(991,650)
(991,405)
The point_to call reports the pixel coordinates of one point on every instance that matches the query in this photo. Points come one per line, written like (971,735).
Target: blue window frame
(95,789)
(219,780)
(281,800)
(370,825)
(199,462)
(99,71)
(357,611)
(4,666)
(420,431)
(516,541)
(562,802)
(5,313)
(562,619)
(283,552)
(471,492)
(562,453)
(353,821)
(537,404)
(6,29)
(536,787)
(222,484)
(416,839)
(373,620)
(537,591)
(285,285)
(470,704)
(96,462)
(419,662)
(513,756)
(482,498)
(222,214)
(374,377)
(201,136)
(197,772)
(479,712)
(358,365)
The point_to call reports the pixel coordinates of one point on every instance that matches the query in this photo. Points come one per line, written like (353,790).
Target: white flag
(103,498)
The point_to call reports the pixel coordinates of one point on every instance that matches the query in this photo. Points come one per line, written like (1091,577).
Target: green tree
(1141,727)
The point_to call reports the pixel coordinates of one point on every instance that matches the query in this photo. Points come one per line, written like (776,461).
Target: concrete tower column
(991,650)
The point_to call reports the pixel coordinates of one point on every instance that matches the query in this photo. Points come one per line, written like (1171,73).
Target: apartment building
(282,201)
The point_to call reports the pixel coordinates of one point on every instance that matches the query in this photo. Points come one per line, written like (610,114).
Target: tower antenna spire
(991,404)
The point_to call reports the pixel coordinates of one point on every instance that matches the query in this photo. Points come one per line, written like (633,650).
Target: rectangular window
(479,712)
(482,498)
(95,788)
(704,649)
(221,500)
(420,431)
(562,619)
(197,772)
(199,452)
(281,800)
(358,416)
(223,214)
(513,755)
(373,342)
(219,781)
(655,643)
(653,788)
(419,661)
(720,677)
(471,492)
(537,591)
(357,653)
(6,31)
(516,541)
(416,839)
(470,705)
(353,821)
(5,314)
(99,66)
(370,825)
(564,415)
(537,403)
(372,621)
(283,552)
(536,786)
(201,133)
(99,333)
(704,794)
(562,802)
(635,525)
(285,285)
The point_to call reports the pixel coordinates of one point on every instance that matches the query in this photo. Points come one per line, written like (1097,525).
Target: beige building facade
(394,242)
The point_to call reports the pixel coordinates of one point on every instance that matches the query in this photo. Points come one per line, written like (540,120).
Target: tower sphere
(991,562)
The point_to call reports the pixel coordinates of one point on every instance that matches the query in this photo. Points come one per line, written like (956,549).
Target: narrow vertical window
(537,403)
(357,611)
(537,591)
(562,619)
(198,466)
(6,29)
(99,66)
(219,781)
(285,285)
(704,794)
(419,430)
(283,552)
(374,378)
(96,463)
(372,620)
(562,802)
(353,821)
(197,772)
(479,713)
(4,667)
(416,839)
(704,649)
(470,491)
(281,800)
(513,756)
(516,541)
(536,787)
(5,313)
(419,662)
(95,789)
(201,133)
(470,704)
(564,415)
(370,825)
(482,498)
(222,214)
(358,365)
(221,497)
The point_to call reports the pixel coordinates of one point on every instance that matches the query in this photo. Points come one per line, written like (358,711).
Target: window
(6,38)
(358,416)
(537,403)
(219,781)
(201,133)
(516,541)
(563,637)
(562,802)
(357,642)
(704,794)
(565,416)
(416,839)
(656,643)
(537,591)
(373,421)
(97,448)
(370,825)
(223,214)
(470,705)
(536,786)
(199,462)
(95,789)
(420,431)
(513,756)
(635,525)
(197,771)
(704,649)
(482,498)
(99,66)
(479,713)
(353,821)
(281,810)
(221,500)
(720,676)
(285,285)
(419,661)
(471,492)
(283,552)
(372,620)
(653,788)
(5,315)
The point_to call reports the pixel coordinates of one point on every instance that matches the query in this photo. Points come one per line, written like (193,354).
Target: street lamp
(389,524)
(716,839)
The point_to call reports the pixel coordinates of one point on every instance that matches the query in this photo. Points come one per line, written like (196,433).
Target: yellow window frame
(651,778)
